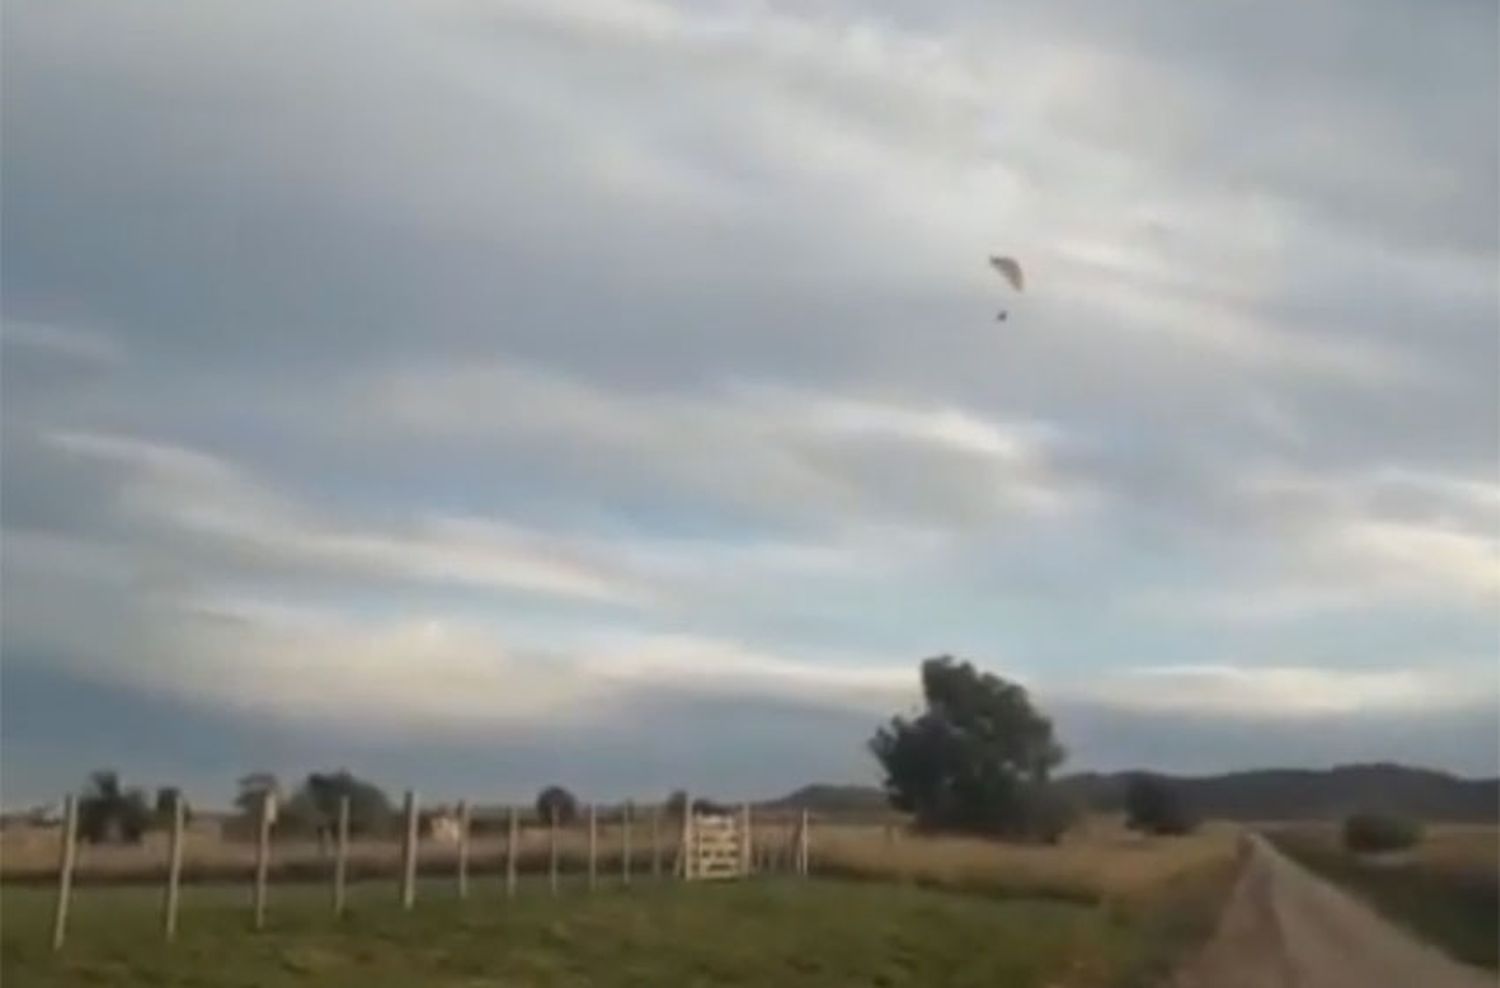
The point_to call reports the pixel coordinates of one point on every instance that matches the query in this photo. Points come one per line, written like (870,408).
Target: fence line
(510,855)
(625,848)
(463,849)
(174,871)
(732,845)
(409,853)
(65,871)
(341,857)
(262,857)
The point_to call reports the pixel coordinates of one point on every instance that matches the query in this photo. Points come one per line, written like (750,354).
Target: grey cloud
(1261,239)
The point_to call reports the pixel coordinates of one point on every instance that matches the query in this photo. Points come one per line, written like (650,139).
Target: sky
(487,395)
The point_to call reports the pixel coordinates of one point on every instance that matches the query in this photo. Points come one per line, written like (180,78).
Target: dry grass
(1099,861)
(1099,864)
(1460,848)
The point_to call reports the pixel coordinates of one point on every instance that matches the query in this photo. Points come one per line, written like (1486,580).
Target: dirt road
(1284,927)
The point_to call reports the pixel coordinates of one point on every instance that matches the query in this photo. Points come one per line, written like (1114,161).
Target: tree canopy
(556,804)
(1156,806)
(109,812)
(977,759)
(315,804)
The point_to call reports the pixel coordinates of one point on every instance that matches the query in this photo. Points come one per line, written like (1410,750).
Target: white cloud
(65,341)
(836,455)
(204,497)
(1263,690)
(457,675)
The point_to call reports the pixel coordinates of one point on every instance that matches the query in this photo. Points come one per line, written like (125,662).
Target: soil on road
(1285,927)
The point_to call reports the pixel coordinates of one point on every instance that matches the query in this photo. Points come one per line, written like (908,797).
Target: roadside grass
(766,931)
(1447,889)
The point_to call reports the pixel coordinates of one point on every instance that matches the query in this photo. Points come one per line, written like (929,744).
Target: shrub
(1154,805)
(1366,833)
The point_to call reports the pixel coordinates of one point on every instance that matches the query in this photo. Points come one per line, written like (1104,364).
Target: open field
(773,931)
(1447,889)
(1104,863)
(1100,909)
(1100,860)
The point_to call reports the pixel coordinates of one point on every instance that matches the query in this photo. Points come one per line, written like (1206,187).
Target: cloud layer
(477,367)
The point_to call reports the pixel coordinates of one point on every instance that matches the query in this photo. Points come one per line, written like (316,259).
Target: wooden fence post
(686,853)
(174,870)
(66,856)
(262,856)
(656,841)
(747,859)
(625,848)
(802,862)
(463,849)
(341,856)
(552,847)
(409,853)
(510,855)
(593,847)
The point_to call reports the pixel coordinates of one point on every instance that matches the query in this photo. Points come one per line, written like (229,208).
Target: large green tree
(977,759)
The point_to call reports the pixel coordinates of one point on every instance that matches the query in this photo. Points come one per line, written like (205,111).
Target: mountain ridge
(1247,794)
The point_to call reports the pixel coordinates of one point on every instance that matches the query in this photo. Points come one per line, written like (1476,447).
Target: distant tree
(555,803)
(314,807)
(1154,805)
(1371,833)
(166,800)
(252,789)
(107,812)
(675,803)
(978,759)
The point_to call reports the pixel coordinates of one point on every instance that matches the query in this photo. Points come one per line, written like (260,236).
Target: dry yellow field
(1452,847)
(1098,861)
(1101,863)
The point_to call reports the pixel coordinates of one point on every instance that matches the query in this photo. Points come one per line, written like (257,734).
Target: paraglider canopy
(1010,268)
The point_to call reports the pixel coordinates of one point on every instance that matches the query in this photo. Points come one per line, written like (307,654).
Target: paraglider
(1010,269)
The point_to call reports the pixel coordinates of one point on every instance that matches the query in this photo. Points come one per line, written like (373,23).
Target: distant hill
(1260,794)
(1301,794)
(833,799)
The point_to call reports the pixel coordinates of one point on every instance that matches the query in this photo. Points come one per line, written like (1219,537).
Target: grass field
(942,911)
(1447,889)
(764,932)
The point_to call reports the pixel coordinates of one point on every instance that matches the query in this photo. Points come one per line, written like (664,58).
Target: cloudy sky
(482,394)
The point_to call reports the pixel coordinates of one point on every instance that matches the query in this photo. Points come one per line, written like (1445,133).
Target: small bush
(1155,806)
(1366,833)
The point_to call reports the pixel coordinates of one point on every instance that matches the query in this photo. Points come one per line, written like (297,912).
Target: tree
(1371,833)
(314,806)
(252,790)
(555,804)
(108,812)
(1155,806)
(166,802)
(977,759)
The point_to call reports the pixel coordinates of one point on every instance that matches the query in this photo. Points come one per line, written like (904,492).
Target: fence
(637,842)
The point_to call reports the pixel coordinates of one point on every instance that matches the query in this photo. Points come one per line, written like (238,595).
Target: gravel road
(1285,927)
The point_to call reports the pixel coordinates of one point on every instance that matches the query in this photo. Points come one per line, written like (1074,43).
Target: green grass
(1454,908)
(764,932)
